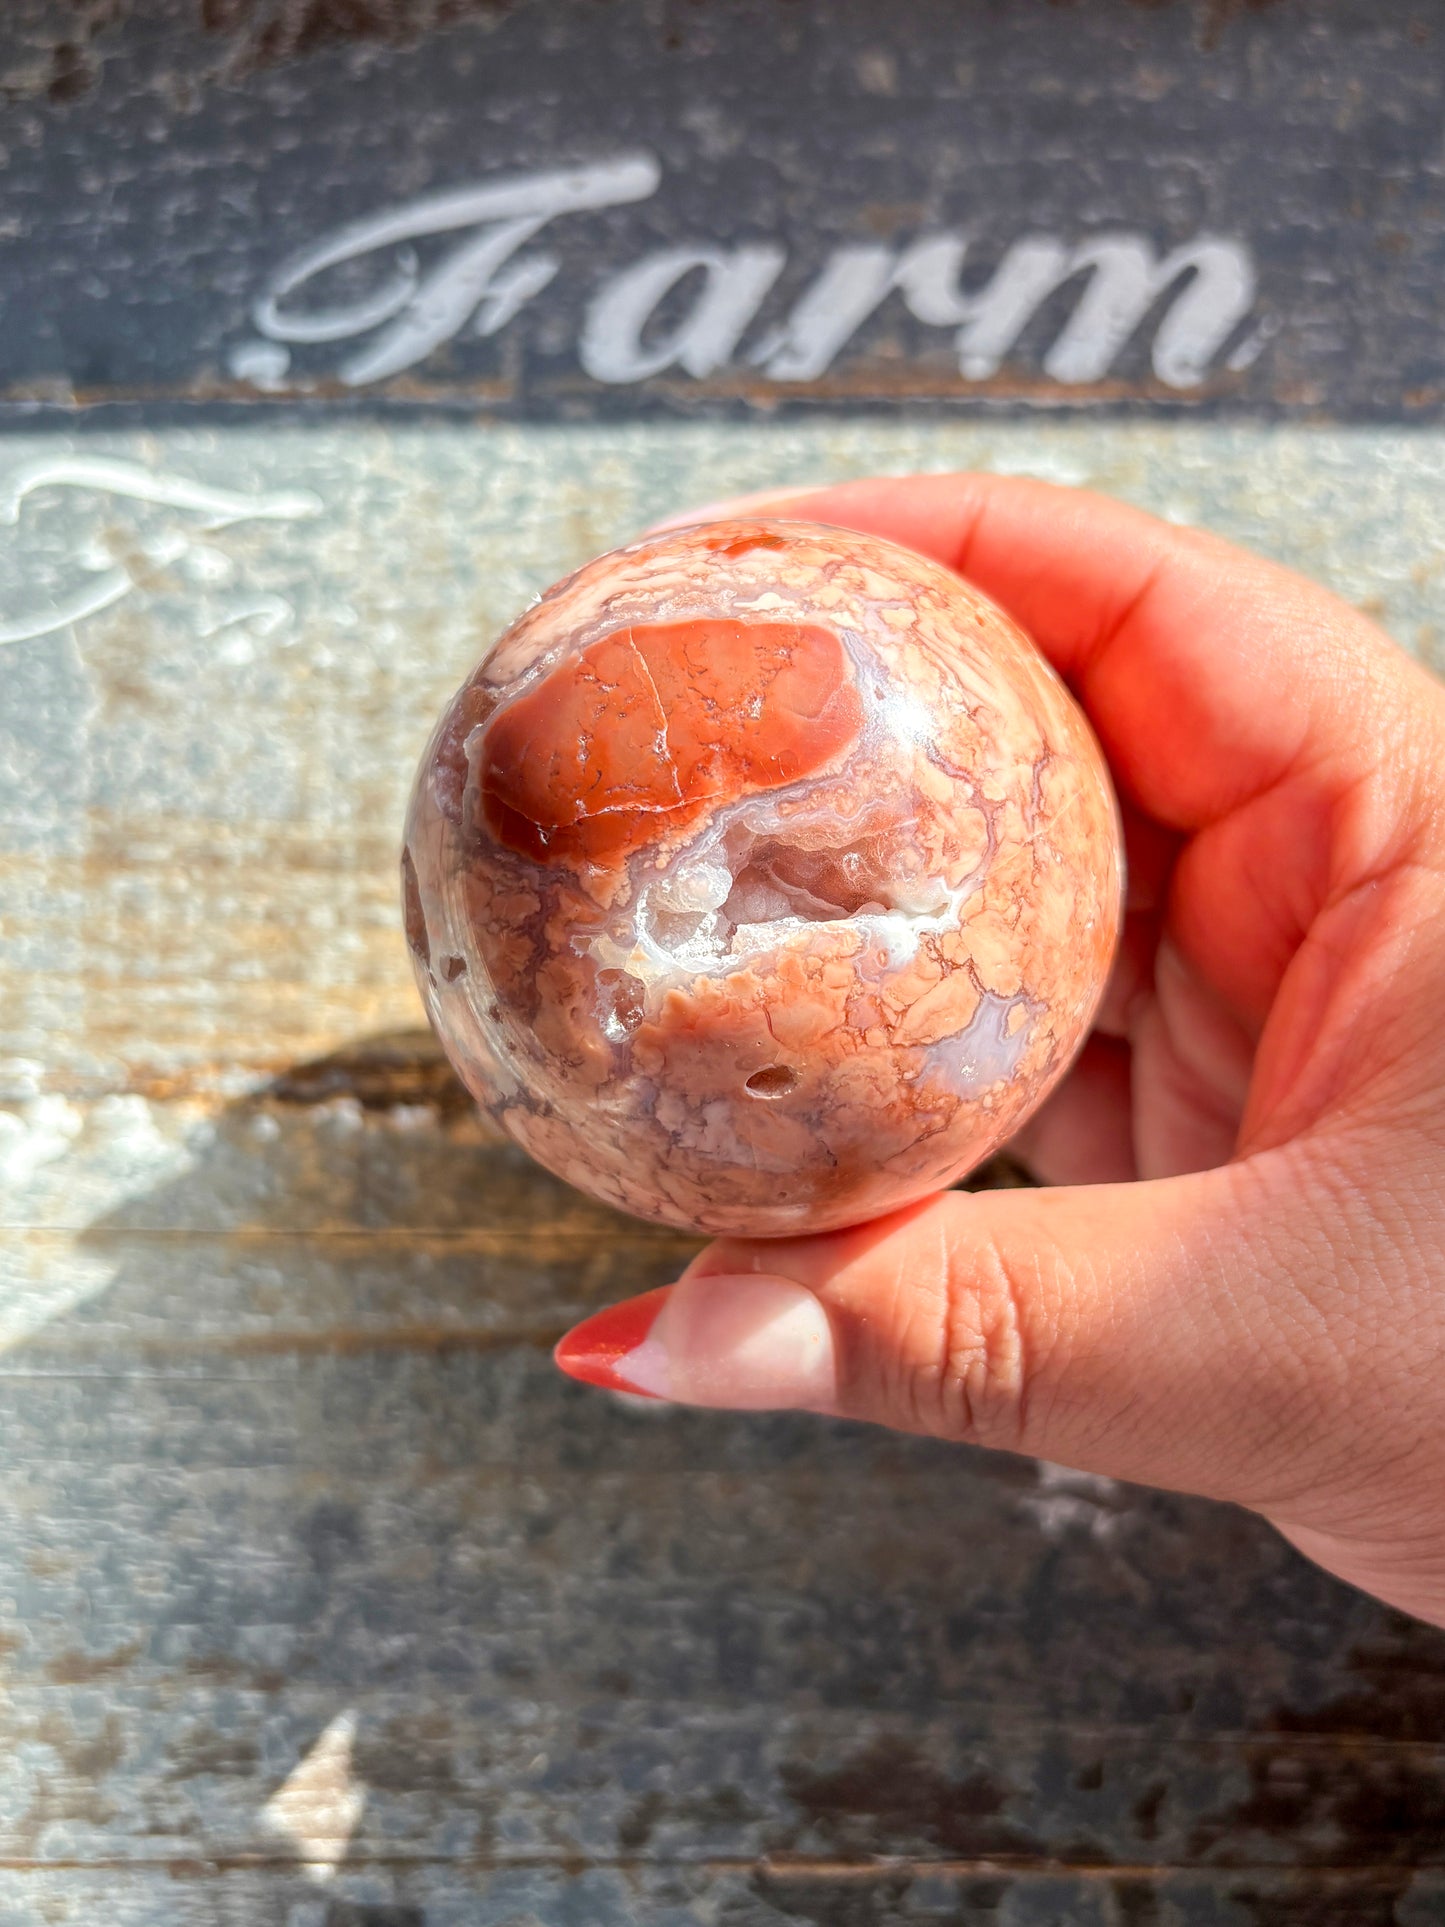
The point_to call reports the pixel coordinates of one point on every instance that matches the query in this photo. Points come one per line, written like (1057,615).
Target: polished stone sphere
(762,878)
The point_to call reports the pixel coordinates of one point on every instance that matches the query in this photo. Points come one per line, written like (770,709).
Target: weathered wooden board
(195,1896)
(559,208)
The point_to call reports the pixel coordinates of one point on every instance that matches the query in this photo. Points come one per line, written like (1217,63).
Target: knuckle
(988,1361)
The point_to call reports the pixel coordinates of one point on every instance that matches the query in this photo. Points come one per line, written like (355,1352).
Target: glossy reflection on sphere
(762,878)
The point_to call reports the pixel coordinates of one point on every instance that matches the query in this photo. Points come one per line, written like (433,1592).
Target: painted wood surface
(556,209)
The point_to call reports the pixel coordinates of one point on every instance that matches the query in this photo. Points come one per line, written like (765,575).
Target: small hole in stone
(776,1081)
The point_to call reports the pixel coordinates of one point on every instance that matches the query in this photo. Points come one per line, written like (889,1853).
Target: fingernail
(600,1350)
(745,1344)
(758,500)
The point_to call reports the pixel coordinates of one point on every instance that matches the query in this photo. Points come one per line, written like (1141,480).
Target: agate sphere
(762,878)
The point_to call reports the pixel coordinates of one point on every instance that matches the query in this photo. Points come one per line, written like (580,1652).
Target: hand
(1238,1288)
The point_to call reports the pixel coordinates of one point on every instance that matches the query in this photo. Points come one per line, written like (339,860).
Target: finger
(1192,1065)
(1172,1332)
(1150,853)
(1131,977)
(1162,1095)
(1084,1133)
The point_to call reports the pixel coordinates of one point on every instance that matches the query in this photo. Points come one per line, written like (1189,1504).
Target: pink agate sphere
(762,878)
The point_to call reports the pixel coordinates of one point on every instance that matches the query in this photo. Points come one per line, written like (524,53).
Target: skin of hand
(1233,1283)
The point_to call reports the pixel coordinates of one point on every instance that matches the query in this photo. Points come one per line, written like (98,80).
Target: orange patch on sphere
(647,728)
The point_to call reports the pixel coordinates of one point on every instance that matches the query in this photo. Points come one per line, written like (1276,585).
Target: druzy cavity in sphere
(762,878)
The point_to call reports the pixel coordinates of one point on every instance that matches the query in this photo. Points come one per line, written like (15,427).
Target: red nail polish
(592,1350)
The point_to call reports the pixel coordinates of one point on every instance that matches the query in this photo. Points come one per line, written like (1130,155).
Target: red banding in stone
(648,727)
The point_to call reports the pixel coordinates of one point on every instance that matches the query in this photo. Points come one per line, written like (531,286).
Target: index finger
(1209,674)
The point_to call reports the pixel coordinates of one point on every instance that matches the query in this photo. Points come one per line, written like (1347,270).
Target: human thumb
(1164,1332)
